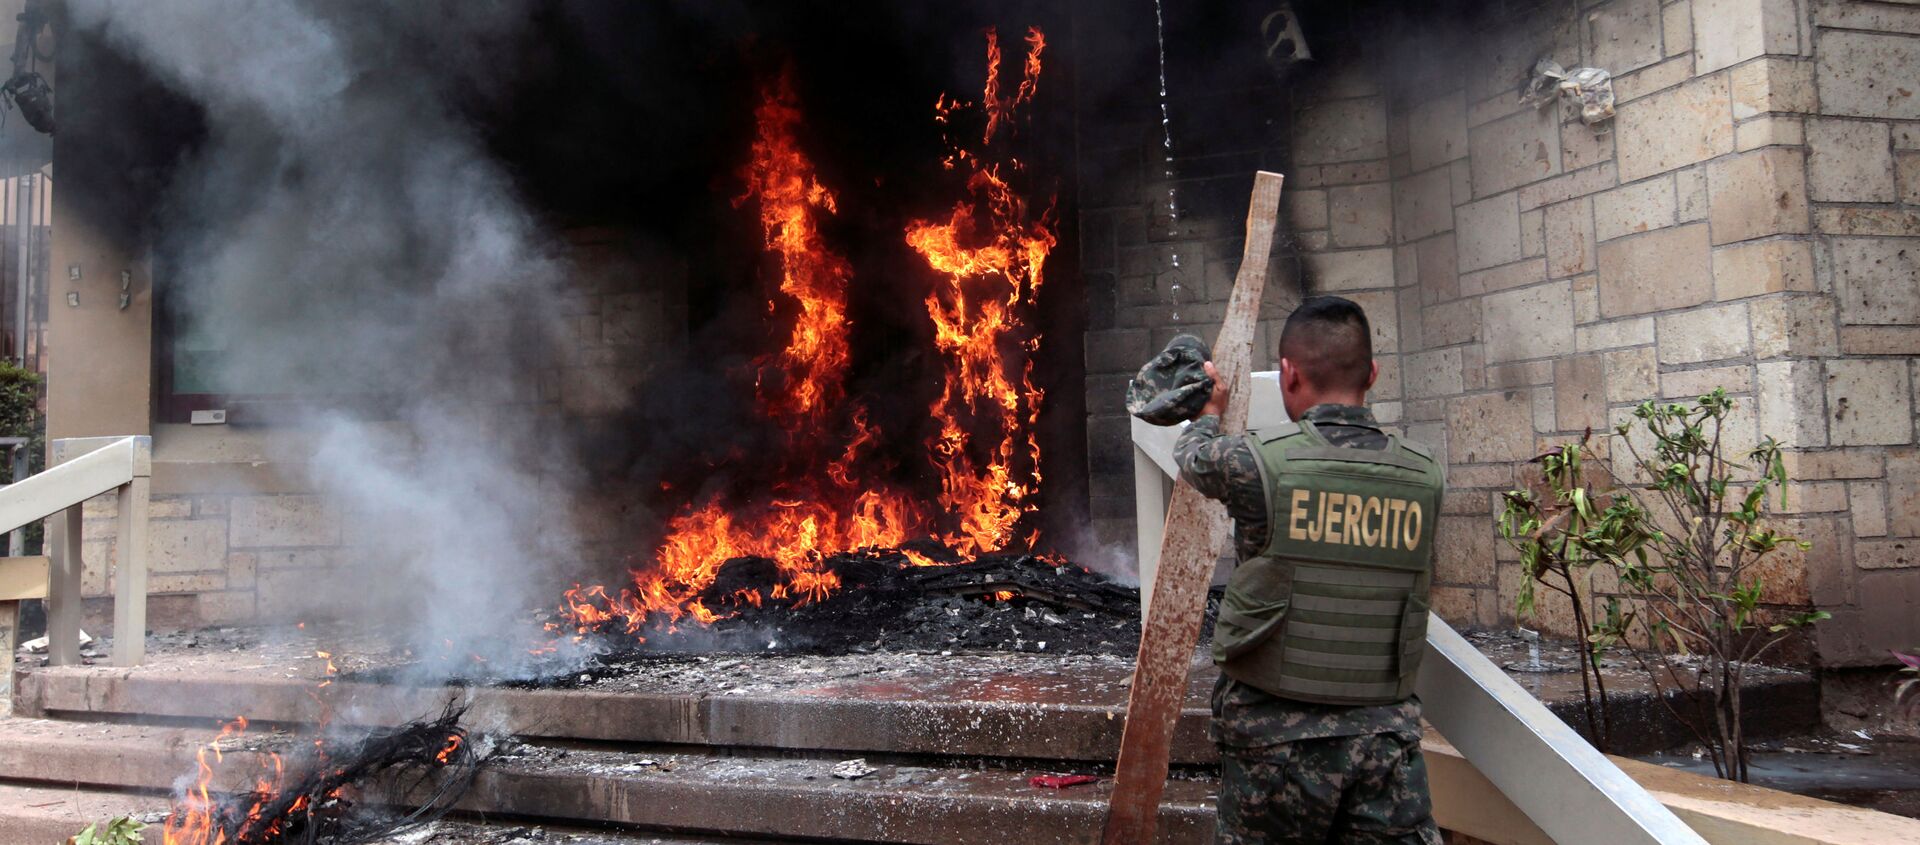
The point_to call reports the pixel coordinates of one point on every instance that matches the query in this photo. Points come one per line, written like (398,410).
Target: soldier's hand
(1217,403)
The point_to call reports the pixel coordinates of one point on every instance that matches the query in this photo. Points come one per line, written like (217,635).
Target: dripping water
(1166,152)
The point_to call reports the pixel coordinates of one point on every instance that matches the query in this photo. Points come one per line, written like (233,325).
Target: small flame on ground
(192,821)
(199,817)
(454,741)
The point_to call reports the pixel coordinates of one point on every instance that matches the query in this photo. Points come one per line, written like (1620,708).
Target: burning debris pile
(428,764)
(831,503)
(1000,601)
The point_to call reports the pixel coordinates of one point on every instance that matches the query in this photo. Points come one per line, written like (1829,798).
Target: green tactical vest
(1334,609)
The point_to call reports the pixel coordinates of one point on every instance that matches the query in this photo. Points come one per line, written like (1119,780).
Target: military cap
(1174,386)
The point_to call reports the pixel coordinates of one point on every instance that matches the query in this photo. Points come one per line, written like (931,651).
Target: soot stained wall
(624,130)
(1746,221)
(1151,274)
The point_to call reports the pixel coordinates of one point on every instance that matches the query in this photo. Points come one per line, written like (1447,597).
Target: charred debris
(997,603)
(340,791)
(1001,602)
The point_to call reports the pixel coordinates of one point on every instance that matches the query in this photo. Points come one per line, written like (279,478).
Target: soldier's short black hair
(1329,339)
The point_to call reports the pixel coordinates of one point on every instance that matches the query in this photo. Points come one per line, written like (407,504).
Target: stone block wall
(238,534)
(225,558)
(1750,219)
(1744,222)
(1150,276)
(1862,141)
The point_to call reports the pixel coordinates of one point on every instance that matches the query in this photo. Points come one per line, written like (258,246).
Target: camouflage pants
(1348,789)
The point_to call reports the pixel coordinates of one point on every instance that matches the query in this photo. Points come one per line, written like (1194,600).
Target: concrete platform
(997,706)
(997,717)
(742,745)
(730,794)
(39,815)
(740,748)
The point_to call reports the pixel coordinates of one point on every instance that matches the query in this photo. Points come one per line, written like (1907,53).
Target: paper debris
(852,769)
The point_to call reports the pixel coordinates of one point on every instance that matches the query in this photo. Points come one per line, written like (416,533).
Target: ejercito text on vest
(1353,520)
(1334,609)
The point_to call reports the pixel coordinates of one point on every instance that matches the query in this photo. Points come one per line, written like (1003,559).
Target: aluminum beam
(1153,490)
(101,470)
(1566,786)
(82,469)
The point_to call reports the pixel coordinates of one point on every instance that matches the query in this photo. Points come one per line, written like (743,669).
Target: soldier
(1324,619)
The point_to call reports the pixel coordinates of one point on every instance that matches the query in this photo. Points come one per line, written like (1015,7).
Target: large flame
(818,501)
(798,386)
(991,251)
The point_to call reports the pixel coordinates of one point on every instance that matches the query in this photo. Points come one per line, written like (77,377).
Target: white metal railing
(82,468)
(1564,785)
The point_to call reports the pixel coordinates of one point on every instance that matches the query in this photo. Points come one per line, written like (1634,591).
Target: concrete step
(1019,707)
(1004,718)
(713,794)
(41,815)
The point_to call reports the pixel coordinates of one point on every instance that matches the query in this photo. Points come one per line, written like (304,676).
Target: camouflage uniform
(1294,771)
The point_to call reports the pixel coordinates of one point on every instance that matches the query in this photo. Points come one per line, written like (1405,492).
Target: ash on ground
(994,603)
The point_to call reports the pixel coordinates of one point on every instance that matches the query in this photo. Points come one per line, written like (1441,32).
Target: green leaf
(120,831)
(1524,602)
(1580,504)
(1679,643)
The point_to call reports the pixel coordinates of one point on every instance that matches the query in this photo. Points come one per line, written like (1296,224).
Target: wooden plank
(23,577)
(1188,550)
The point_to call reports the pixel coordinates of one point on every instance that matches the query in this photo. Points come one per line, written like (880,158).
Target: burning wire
(434,758)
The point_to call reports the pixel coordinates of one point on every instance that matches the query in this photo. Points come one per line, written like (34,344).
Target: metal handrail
(85,476)
(1565,785)
(81,469)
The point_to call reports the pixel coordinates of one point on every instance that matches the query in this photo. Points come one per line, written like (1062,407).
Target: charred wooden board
(1187,554)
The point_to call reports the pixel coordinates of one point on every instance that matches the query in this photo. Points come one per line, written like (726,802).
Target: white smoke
(343,232)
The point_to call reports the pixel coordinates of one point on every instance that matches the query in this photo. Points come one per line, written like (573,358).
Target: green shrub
(20,416)
(1686,528)
(19,401)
